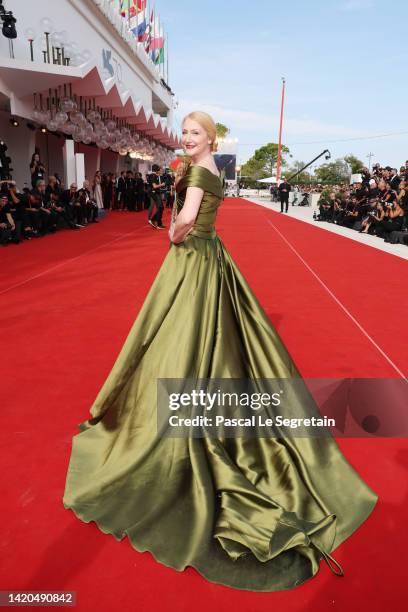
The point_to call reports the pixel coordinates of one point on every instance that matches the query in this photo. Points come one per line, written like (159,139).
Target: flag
(157,44)
(148,37)
(138,26)
(157,41)
(131,7)
(158,57)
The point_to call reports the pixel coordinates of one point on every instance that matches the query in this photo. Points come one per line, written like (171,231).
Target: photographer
(373,219)
(47,215)
(326,208)
(54,196)
(75,211)
(19,204)
(37,170)
(368,219)
(352,213)
(7,225)
(89,207)
(402,196)
(392,221)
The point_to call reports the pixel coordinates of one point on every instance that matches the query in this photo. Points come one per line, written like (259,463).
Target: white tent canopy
(271,179)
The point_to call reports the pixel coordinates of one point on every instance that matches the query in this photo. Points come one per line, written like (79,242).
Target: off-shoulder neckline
(199,166)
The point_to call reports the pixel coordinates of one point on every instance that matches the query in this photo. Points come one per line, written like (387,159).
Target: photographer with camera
(373,218)
(47,215)
(88,206)
(37,170)
(326,208)
(392,221)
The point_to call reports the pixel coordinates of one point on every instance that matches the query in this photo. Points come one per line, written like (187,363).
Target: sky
(344,62)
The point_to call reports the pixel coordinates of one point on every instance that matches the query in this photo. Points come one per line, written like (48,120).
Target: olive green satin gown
(250,513)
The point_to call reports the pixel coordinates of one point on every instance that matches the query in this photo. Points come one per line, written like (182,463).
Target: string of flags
(146,27)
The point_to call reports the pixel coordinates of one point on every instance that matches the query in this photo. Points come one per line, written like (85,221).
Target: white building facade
(76,86)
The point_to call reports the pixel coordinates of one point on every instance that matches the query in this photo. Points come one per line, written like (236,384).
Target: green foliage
(355,163)
(263,162)
(304,178)
(333,173)
(222,130)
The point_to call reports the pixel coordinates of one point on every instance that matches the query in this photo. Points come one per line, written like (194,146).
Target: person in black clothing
(120,190)
(140,189)
(19,203)
(284,189)
(373,191)
(37,170)
(352,213)
(392,221)
(168,180)
(73,207)
(89,207)
(365,176)
(129,196)
(374,217)
(54,195)
(47,215)
(109,191)
(156,185)
(326,209)
(7,225)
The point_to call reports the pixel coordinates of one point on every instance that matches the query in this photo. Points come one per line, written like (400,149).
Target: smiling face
(195,139)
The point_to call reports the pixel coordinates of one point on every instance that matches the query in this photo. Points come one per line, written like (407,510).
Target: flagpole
(167,58)
(147,31)
(154,30)
(278,168)
(161,39)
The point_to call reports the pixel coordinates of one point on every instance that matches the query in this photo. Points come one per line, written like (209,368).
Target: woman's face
(194,138)
(36,157)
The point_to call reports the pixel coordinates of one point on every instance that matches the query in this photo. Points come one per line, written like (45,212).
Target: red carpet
(68,301)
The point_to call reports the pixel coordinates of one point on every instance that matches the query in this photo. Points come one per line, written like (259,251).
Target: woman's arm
(396,212)
(187,216)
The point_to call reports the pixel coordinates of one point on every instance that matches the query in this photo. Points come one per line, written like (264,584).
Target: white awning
(271,179)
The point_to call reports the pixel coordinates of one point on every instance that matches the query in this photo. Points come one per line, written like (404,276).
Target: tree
(222,130)
(355,164)
(263,162)
(303,177)
(333,173)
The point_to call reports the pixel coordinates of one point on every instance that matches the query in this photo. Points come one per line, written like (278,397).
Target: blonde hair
(207,123)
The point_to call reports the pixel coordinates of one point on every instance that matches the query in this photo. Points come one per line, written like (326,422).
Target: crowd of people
(376,205)
(49,206)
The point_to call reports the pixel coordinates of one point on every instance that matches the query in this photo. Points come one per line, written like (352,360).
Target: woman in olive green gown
(250,513)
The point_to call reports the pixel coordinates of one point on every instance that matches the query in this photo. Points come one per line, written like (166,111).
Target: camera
(9,21)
